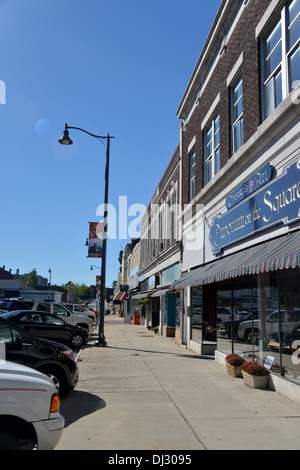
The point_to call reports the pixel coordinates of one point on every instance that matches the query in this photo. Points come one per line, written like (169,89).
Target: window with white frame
(212,149)
(173,216)
(281,56)
(192,162)
(237,115)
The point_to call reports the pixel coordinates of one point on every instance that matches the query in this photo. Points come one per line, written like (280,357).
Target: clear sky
(115,66)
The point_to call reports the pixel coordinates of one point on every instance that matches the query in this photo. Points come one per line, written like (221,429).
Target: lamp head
(65,139)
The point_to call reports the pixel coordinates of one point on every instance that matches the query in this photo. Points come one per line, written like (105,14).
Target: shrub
(234,360)
(253,368)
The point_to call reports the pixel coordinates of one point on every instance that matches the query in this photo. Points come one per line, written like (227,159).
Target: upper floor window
(237,115)
(192,159)
(212,149)
(281,56)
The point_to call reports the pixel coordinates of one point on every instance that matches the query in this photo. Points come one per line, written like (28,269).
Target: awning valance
(279,253)
(124,296)
(160,292)
(142,295)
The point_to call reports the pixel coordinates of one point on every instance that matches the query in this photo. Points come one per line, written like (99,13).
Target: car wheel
(57,378)
(8,441)
(77,341)
(252,337)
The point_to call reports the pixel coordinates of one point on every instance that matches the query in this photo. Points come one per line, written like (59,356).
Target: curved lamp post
(65,140)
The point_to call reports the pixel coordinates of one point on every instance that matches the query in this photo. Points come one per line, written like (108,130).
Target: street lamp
(65,140)
(49,283)
(93,266)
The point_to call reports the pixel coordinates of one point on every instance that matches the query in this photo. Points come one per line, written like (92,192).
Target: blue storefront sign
(274,203)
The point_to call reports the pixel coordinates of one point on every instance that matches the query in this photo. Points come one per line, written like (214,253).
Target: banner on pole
(98,284)
(95,239)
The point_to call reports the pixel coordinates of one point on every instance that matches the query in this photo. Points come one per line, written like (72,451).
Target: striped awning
(160,292)
(279,253)
(118,295)
(142,295)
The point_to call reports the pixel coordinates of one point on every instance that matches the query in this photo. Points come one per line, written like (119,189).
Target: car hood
(51,343)
(86,318)
(14,369)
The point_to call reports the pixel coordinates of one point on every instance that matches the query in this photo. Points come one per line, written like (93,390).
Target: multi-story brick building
(160,251)
(239,141)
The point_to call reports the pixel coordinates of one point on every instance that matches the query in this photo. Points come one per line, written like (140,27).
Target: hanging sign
(95,240)
(276,202)
(98,284)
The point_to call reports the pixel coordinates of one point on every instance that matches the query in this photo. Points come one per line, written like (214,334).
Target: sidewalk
(144,392)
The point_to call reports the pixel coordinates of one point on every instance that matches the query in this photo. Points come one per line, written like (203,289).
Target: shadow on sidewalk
(175,354)
(79,404)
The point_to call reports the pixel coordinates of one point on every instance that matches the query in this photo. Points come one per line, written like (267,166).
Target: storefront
(249,303)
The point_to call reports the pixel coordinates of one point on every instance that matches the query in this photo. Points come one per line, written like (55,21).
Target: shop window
(196,314)
(265,321)
(281,56)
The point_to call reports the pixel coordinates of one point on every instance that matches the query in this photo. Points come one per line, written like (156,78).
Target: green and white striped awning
(278,253)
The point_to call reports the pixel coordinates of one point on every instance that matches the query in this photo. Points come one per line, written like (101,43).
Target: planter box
(234,371)
(256,381)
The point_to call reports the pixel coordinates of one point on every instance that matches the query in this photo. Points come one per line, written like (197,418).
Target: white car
(29,409)
(251,330)
(79,310)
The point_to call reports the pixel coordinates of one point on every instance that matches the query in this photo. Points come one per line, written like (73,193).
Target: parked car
(223,314)
(29,409)
(251,330)
(287,339)
(197,317)
(87,307)
(53,359)
(231,326)
(76,308)
(48,326)
(56,308)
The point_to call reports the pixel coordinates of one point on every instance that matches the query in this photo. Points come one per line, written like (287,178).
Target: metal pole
(65,140)
(101,342)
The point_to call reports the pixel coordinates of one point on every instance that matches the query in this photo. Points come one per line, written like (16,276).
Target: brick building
(160,252)
(239,143)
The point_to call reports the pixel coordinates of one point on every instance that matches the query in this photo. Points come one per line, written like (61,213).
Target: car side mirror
(18,340)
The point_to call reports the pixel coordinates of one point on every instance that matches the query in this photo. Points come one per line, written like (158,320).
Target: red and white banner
(95,239)
(98,284)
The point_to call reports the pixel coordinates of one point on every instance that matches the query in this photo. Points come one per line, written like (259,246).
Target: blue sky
(118,67)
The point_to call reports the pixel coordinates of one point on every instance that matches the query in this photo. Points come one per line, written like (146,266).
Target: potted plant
(276,368)
(155,329)
(233,365)
(255,375)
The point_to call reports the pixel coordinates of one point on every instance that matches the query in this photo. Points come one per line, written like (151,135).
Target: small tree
(31,278)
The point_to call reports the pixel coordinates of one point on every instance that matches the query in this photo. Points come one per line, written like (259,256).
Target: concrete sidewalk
(144,392)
